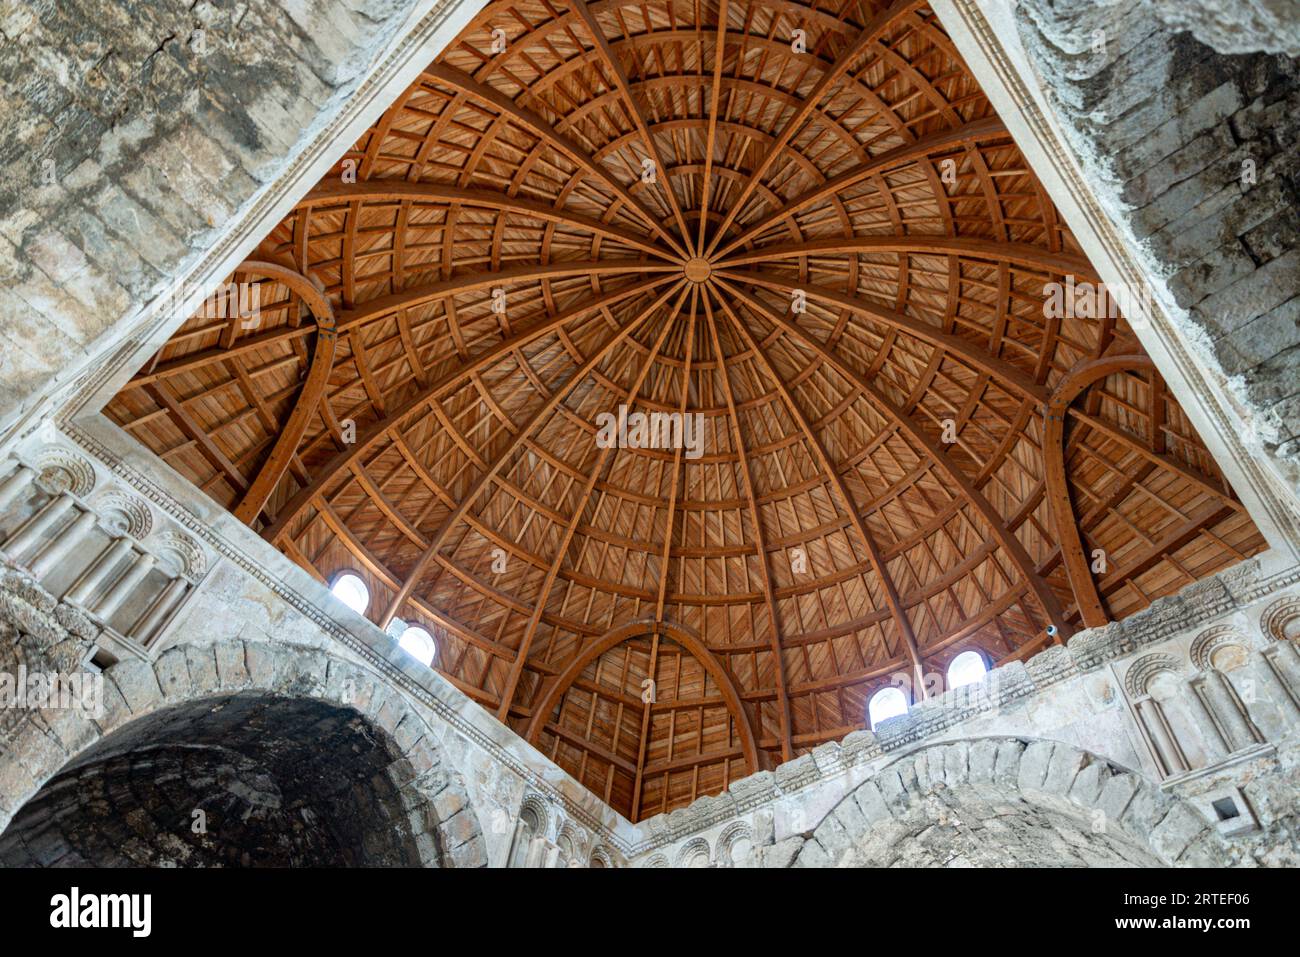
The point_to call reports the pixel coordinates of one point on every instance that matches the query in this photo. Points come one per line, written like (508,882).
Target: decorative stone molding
(1211,641)
(694,853)
(732,835)
(541,814)
(123,514)
(1142,672)
(1278,616)
(60,470)
(182,553)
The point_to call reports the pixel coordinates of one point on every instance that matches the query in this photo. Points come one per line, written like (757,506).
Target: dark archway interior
(238,781)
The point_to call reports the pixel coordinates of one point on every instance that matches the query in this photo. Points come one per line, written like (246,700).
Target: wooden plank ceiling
(918,462)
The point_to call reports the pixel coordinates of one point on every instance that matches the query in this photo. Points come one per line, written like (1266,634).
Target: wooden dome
(805,229)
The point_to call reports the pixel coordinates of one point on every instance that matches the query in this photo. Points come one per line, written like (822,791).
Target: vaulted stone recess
(237,781)
(743,433)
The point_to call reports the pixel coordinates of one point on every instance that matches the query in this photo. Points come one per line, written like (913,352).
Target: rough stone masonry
(1185,116)
(132,133)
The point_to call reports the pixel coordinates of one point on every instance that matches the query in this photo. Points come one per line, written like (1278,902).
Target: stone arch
(600,857)
(141,699)
(1140,674)
(572,841)
(1281,620)
(694,853)
(658,861)
(1222,648)
(734,844)
(533,810)
(992,801)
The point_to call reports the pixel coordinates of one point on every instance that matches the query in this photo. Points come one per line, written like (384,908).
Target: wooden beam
(313,387)
(1077,569)
(841,491)
(764,559)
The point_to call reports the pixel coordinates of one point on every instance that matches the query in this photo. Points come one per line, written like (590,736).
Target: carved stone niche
(179,555)
(1281,620)
(59,470)
(123,514)
(1151,684)
(1222,648)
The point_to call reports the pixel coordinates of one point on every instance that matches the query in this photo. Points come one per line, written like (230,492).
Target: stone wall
(245,628)
(1172,737)
(137,137)
(1184,118)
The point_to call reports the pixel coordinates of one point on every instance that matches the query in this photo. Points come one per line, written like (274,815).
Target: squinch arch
(180,699)
(1002,801)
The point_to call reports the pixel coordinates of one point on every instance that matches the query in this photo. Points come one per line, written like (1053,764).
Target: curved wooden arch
(1068,536)
(636,629)
(313,386)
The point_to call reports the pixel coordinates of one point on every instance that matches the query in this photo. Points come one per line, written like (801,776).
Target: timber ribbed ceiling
(826,246)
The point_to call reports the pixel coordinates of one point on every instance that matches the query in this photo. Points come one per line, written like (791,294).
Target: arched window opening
(886,703)
(352,591)
(419,644)
(966,669)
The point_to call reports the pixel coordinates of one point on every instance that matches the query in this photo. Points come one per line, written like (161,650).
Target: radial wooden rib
(765,570)
(561,551)
(540,416)
(836,483)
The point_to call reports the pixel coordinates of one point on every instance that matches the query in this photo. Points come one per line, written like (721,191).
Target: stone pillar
(38,525)
(1217,740)
(1241,731)
(94,576)
(123,586)
(1169,757)
(158,611)
(1280,658)
(64,543)
(536,855)
(18,482)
